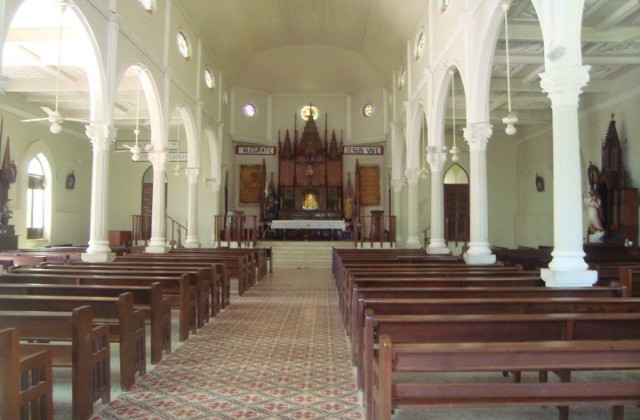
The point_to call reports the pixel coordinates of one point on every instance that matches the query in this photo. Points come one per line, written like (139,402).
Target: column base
(98,247)
(413,243)
(192,243)
(98,256)
(479,259)
(571,278)
(157,246)
(438,247)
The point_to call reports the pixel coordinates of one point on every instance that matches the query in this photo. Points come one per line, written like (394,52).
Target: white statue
(595,232)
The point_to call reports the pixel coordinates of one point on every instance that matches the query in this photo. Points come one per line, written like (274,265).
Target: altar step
(303,254)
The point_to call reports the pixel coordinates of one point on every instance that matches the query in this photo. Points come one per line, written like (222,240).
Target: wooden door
(147,207)
(456,212)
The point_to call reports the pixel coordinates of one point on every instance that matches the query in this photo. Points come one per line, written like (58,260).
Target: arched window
(38,206)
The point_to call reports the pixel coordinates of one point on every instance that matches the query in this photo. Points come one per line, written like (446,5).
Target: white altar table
(332,225)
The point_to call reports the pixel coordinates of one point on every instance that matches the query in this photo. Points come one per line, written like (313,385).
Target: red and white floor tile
(279,351)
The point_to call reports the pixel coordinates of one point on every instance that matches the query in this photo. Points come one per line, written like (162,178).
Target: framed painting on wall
(369,185)
(250,192)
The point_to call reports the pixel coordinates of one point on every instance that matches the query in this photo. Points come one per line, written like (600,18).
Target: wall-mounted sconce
(539,183)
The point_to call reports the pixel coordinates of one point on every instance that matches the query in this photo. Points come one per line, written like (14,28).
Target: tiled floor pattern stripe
(278,352)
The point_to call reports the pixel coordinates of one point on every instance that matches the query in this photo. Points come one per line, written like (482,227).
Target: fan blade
(35,119)
(81,120)
(48,110)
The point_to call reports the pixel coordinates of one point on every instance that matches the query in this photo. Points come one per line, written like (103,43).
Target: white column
(437,158)
(101,136)
(568,268)
(192,208)
(158,241)
(477,135)
(397,185)
(413,240)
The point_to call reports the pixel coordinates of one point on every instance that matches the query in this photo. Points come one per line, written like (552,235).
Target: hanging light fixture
(512,117)
(455,152)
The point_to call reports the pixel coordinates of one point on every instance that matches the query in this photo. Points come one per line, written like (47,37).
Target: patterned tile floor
(279,351)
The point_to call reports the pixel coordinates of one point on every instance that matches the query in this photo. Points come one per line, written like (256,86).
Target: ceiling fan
(54,116)
(136,150)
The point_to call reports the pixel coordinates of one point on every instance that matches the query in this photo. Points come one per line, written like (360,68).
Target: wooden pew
(126,323)
(200,276)
(157,308)
(181,293)
(19,398)
(217,274)
(257,255)
(491,328)
(470,305)
(87,351)
(481,357)
(238,266)
(430,281)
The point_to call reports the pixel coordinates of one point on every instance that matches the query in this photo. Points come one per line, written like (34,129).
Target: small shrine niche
(310,174)
(618,205)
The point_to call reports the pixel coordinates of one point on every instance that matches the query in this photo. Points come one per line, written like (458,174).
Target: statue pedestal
(8,238)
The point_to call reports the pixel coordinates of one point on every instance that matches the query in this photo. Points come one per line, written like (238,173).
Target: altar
(309,229)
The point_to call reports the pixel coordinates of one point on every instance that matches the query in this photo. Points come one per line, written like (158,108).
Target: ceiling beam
(618,14)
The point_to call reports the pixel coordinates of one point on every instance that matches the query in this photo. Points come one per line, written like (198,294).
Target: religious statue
(595,231)
(348,207)
(310,202)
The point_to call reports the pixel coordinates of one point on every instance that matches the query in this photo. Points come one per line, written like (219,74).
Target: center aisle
(279,351)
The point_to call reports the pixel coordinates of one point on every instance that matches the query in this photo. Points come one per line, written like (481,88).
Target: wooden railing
(175,232)
(382,229)
(237,229)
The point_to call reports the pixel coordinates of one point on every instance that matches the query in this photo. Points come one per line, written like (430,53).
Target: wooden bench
(238,266)
(482,357)
(200,276)
(218,272)
(469,305)
(181,293)
(431,281)
(258,256)
(79,344)
(19,398)
(157,308)
(491,328)
(126,323)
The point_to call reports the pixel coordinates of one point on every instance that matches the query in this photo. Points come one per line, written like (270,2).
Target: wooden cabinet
(119,238)
(625,215)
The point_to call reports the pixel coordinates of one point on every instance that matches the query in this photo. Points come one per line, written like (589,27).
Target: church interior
(488,134)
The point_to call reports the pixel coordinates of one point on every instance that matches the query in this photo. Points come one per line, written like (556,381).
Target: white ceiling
(326,46)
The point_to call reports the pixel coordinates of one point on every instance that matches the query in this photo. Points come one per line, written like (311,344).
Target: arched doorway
(456,204)
(146,205)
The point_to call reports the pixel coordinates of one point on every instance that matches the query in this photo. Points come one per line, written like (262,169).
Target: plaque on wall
(369,185)
(250,184)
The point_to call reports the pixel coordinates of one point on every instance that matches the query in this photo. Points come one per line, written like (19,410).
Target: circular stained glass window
(147,5)
(309,110)
(368,110)
(208,78)
(183,45)
(249,110)
(420,45)
(402,78)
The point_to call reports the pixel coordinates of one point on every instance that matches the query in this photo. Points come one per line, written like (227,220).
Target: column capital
(563,84)
(436,158)
(412,174)
(397,185)
(101,135)
(158,158)
(477,135)
(192,174)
